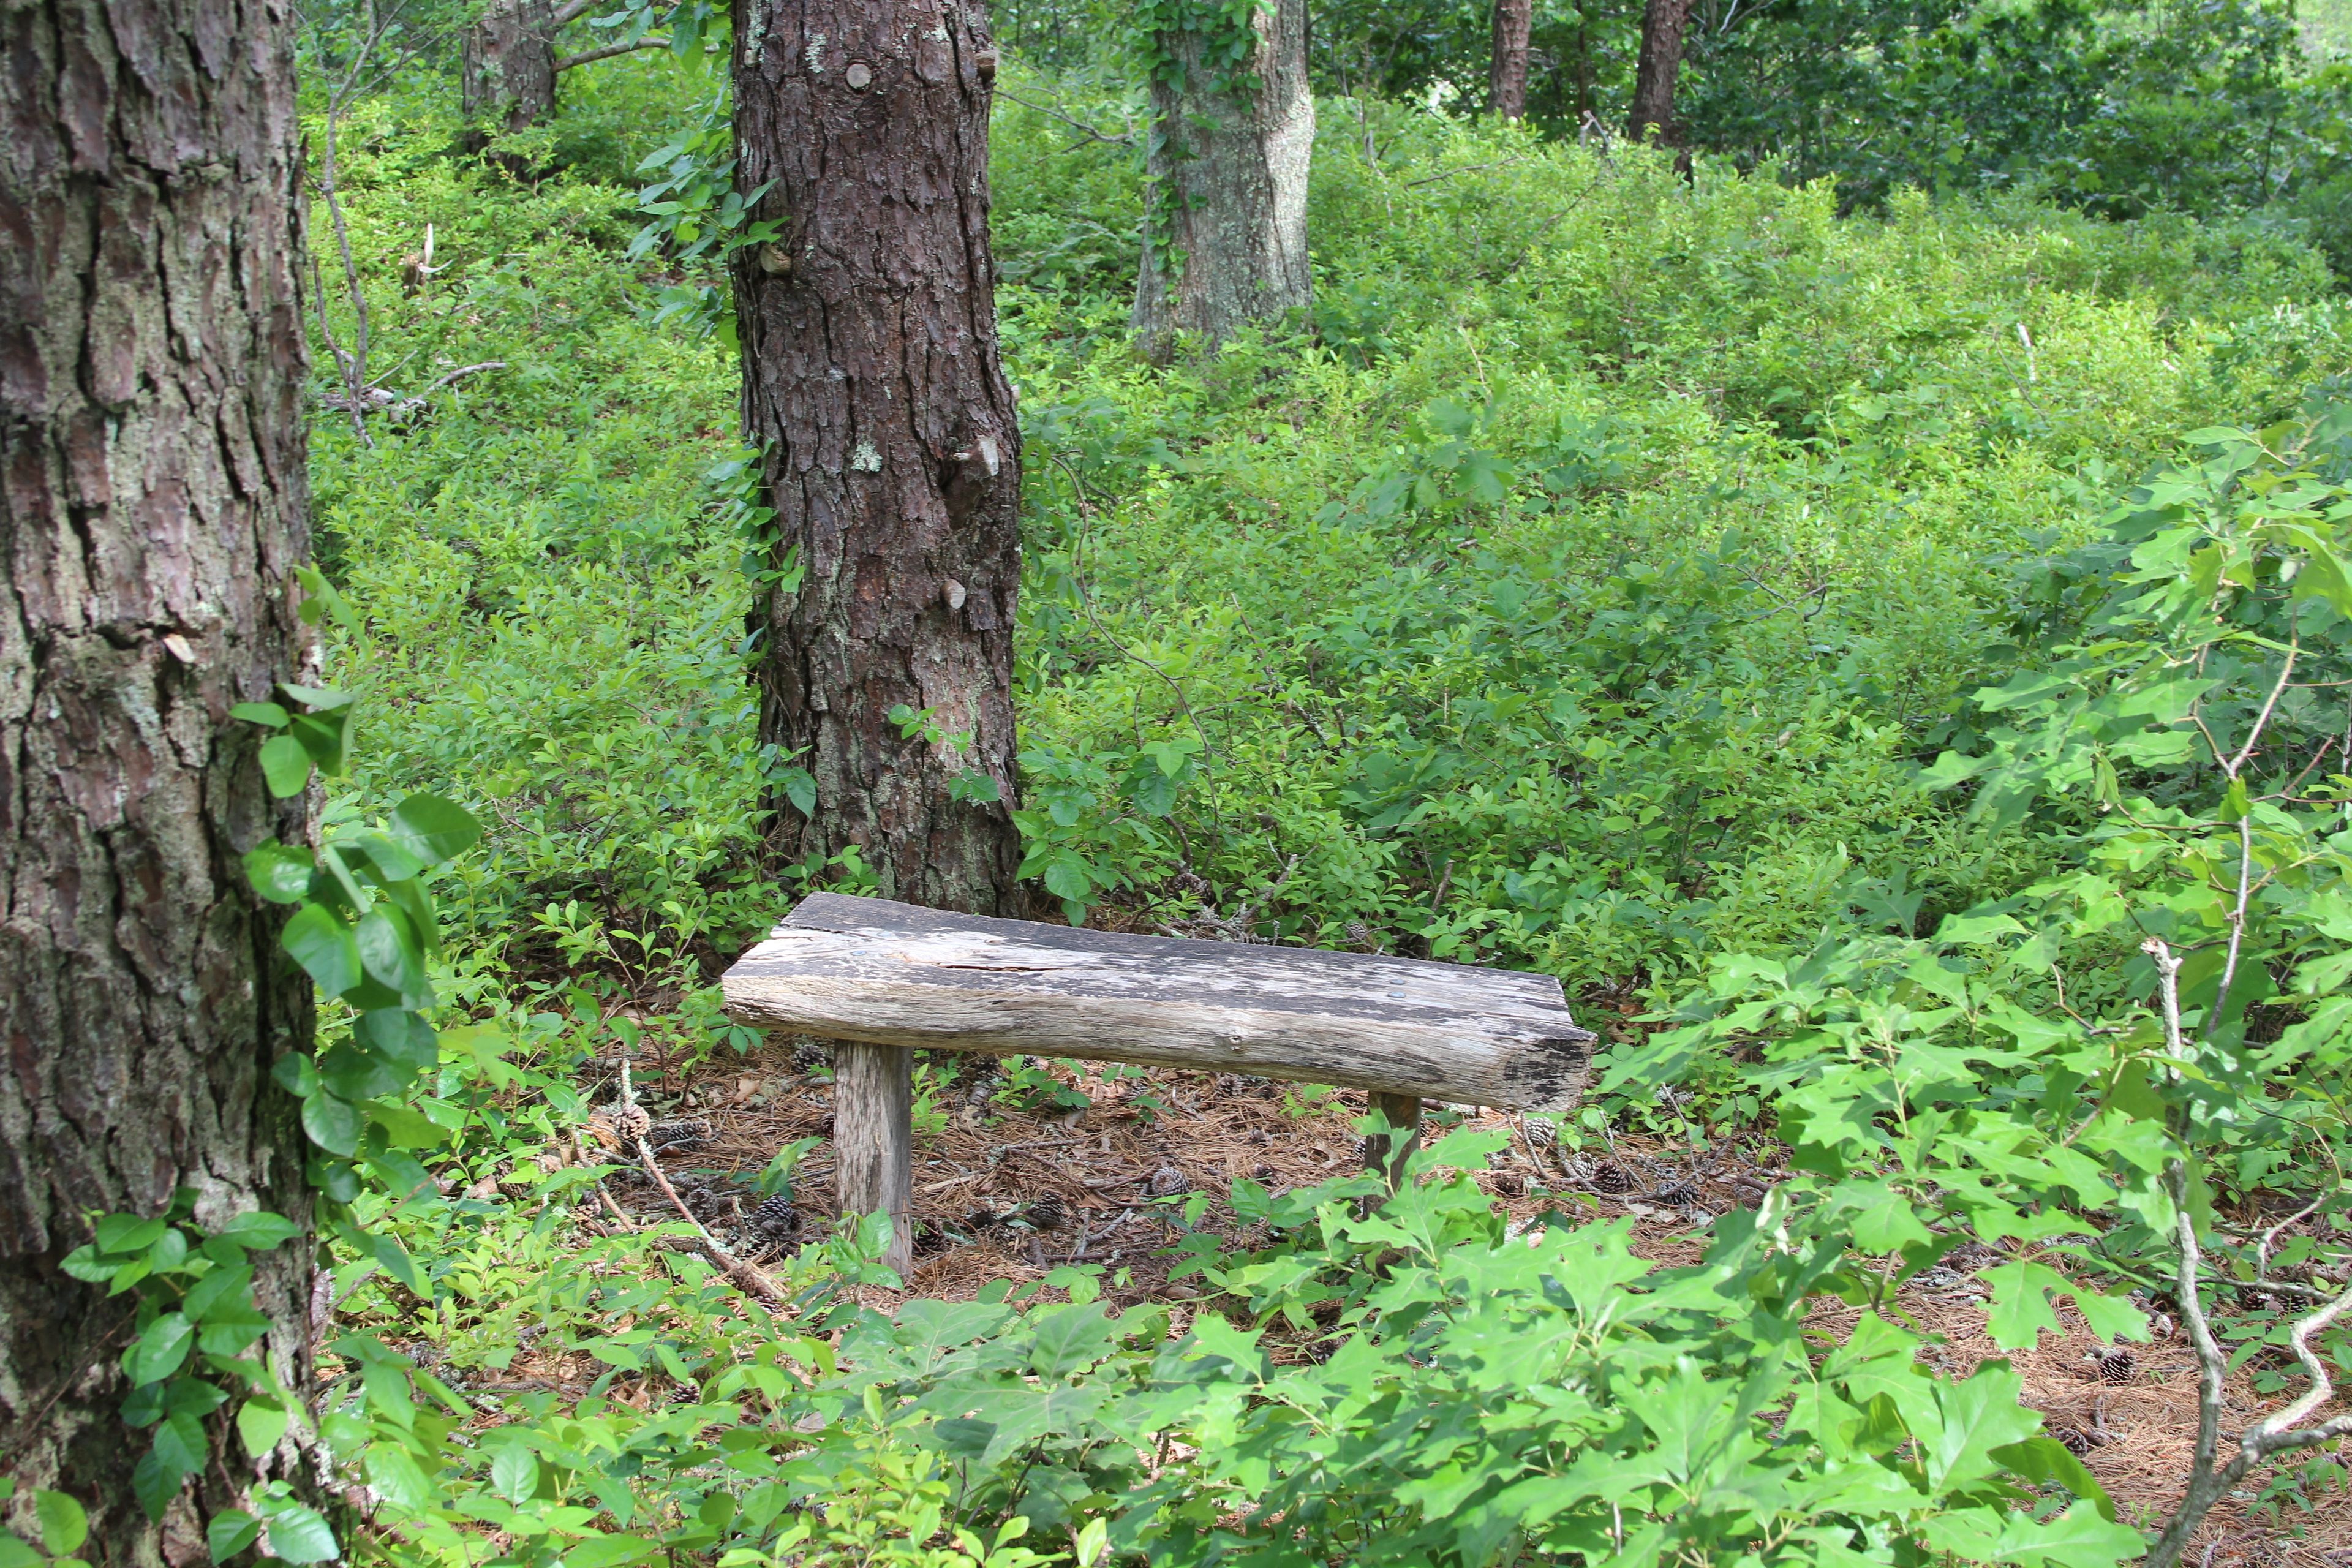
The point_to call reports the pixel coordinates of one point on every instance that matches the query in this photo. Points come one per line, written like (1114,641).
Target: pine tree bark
(890,451)
(1225,201)
(507,67)
(1664,23)
(153,505)
(1506,70)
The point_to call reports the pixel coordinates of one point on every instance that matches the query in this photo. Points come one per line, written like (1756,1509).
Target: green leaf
(296,1074)
(285,765)
(322,601)
(400,1036)
(319,698)
(160,1351)
(180,1446)
(124,1234)
(324,738)
(64,1524)
(2022,1312)
(279,872)
(2043,1460)
(396,1473)
(392,956)
(268,714)
(231,1532)
(1068,1338)
(153,1485)
(14,1553)
(799,789)
(2111,1318)
(261,1421)
(333,1123)
(297,1534)
(259,1230)
(216,1293)
(324,946)
(433,829)
(514,1473)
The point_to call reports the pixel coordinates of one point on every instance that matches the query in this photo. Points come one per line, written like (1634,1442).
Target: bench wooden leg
(874,1139)
(1384,1153)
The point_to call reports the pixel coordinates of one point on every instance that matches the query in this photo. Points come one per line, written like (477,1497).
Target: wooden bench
(878,978)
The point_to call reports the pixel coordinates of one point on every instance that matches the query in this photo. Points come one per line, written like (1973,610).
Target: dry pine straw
(1108,1162)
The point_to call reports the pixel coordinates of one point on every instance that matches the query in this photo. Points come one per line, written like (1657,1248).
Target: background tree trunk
(153,505)
(508,67)
(1663,23)
(1225,206)
(892,457)
(1507,71)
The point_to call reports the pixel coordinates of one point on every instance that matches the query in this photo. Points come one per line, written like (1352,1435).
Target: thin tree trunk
(508,68)
(1225,204)
(1663,25)
(891,454)
(153,505)
(1507,71)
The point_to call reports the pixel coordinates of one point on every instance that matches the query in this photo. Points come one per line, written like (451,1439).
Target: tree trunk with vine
(890,453)
(152,506)
(1506,66)
(1225,198)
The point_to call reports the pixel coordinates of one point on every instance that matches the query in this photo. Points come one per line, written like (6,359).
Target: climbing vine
(363,929)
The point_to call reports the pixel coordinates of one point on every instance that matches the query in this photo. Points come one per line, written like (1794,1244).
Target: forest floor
(1008,1195)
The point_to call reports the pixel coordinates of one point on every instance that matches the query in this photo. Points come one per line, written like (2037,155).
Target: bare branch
(589,56)
(569,12)
(1091,133)
(2275,1434)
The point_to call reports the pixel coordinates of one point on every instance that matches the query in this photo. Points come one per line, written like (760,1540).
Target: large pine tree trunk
(1225,210)
(1506,70)
(1664,23)
(892,457)
(153,504)
(508,67)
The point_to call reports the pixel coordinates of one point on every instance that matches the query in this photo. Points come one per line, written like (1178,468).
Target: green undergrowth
(1580,595)
(1803,623)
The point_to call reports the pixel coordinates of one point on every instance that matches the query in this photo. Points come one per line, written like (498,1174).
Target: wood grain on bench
(889,973)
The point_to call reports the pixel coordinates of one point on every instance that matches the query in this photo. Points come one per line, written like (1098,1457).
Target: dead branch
(589,56)
(750,1280)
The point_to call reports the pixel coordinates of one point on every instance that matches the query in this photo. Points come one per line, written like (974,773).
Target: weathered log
(892,974)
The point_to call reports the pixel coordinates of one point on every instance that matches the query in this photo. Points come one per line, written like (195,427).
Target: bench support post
(874,1139)
(1384,1153)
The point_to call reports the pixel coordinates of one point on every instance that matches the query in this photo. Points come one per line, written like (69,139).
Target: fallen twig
(746,1277)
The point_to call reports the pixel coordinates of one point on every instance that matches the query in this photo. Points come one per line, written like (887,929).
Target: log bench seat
(878,978)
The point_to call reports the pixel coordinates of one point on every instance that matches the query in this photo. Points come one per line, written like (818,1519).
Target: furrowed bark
(1506,71)
(1225,204)
(153,505)
(508,67)
(891,450)
(1664,23)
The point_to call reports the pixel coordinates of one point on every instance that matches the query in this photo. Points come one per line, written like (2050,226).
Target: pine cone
(2072,1439)
(632,1123)
(2115,1363)
(1607,1178)
(1165,1181)
(1047,1212)
(777,1216)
